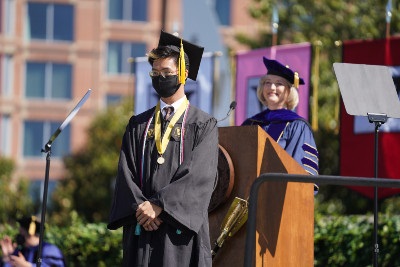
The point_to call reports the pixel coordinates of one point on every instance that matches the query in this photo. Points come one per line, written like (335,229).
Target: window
(36,188)
(118,54)
(7,75)
(53,22)
(113,99)
(223,8)
(38,133)
(132,10)
(48,80)
(8,21)
(5,135)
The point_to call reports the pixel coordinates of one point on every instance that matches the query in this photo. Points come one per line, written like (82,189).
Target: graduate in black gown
(277,91)
(167,169)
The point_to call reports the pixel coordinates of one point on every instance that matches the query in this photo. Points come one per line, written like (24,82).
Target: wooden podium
(285,211)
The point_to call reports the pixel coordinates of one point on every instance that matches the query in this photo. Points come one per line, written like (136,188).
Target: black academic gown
(183,190)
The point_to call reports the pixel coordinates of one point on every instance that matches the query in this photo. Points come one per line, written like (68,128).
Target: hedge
(349,241)
(339,241)
(82,244)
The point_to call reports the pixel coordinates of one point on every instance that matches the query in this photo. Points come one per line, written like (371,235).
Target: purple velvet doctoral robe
(51,256)
(292,133)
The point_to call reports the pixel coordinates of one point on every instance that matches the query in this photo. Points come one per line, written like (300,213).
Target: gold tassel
(182,66)
(296,80)
(32,226)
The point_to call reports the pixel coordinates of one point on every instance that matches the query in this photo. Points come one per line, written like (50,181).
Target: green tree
(14,197)
(88,186)
(326,24)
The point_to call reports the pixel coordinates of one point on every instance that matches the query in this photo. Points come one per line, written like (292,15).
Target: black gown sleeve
(127,192)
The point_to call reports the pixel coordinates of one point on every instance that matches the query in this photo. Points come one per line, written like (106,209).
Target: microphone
(232,106)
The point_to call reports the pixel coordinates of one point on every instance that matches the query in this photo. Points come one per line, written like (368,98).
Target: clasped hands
(8,248)
(147,216)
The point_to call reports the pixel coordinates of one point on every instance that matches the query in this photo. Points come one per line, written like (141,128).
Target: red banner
(357,137)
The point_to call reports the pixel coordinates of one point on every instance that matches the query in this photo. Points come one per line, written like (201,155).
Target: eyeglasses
(269,84)
(156,73)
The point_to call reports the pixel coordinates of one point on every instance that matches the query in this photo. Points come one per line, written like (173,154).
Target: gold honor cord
(163,143)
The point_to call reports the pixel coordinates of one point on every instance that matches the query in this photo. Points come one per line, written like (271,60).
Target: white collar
(176,104)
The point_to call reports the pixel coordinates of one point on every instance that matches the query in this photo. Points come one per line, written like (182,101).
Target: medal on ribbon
(162,143)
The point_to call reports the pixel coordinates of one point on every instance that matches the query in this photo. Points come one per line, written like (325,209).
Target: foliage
(14,197)
(335,200)
(87,187)
(349,241)
(82,244)
(87,244)
(338,241)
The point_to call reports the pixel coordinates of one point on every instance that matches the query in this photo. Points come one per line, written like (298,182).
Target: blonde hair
(292,99)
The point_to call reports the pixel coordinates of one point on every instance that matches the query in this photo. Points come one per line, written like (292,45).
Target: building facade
(52,52)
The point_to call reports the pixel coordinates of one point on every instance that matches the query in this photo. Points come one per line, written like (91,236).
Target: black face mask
(165,87)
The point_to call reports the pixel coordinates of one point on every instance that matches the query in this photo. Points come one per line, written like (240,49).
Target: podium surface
(285,211)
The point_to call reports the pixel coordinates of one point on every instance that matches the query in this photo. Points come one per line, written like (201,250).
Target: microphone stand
(47,149)
(231,108)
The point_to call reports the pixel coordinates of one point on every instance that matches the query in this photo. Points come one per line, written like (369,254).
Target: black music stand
(47,149)
(369,90)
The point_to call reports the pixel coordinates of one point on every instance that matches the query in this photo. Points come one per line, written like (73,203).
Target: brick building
(51,52)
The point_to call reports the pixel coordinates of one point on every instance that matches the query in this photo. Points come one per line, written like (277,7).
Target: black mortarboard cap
(276,68)
(194,52)
(31,224)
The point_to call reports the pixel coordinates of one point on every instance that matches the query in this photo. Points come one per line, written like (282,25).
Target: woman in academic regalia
(277,91)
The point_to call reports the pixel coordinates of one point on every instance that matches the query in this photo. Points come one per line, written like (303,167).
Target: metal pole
(44,207)
(376,245)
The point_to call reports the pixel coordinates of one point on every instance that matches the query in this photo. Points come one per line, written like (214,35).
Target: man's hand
(147,216)
(7,248)
(19,261)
